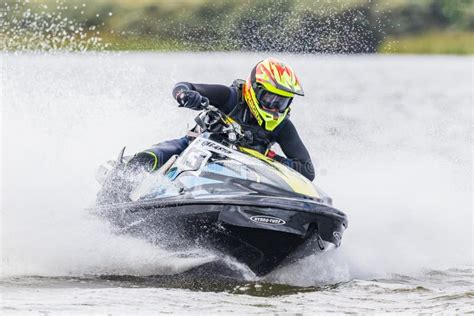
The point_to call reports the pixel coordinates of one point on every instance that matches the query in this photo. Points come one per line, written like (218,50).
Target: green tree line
(298,26)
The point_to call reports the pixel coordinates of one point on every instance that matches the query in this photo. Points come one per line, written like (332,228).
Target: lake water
(391,137)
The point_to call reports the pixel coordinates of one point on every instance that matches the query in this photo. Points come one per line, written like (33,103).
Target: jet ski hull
(219,194)
(260,231)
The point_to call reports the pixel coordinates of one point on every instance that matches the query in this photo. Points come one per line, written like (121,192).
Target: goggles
(272,102)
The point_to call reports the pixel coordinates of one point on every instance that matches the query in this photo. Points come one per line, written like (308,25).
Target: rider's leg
(153,158)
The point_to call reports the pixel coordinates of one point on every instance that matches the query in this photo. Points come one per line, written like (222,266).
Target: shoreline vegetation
(447,43)
(293,26)
(439,43)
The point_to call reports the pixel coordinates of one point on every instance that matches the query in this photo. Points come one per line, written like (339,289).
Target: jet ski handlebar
(213,120)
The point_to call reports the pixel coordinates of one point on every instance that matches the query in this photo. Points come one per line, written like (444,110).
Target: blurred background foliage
(300,26)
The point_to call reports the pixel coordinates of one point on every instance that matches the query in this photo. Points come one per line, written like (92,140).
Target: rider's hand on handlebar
(191,99)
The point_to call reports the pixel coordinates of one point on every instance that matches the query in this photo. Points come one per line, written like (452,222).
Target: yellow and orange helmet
(269,91)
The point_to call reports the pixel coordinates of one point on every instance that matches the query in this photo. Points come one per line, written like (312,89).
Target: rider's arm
(297,155)
(223,97)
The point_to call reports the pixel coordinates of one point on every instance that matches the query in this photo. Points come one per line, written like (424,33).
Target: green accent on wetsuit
(155,164)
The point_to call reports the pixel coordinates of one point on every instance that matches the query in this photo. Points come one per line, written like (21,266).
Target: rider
(261,105)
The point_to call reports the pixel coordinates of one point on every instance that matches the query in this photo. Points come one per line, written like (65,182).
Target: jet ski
(221,195)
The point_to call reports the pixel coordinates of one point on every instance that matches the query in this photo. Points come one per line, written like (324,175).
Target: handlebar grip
(204,102)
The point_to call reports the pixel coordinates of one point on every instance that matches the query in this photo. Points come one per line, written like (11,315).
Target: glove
(190,99)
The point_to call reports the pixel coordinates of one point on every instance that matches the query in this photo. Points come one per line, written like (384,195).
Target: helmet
(269,91)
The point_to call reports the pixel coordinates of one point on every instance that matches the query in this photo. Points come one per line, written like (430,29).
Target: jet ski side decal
(297,182)
(292,178)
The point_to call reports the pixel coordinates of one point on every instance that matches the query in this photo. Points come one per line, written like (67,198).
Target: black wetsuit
(229,100)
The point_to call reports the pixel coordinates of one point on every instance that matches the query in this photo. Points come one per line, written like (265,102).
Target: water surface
(390,136)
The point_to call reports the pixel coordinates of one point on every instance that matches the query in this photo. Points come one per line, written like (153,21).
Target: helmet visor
(273,102)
